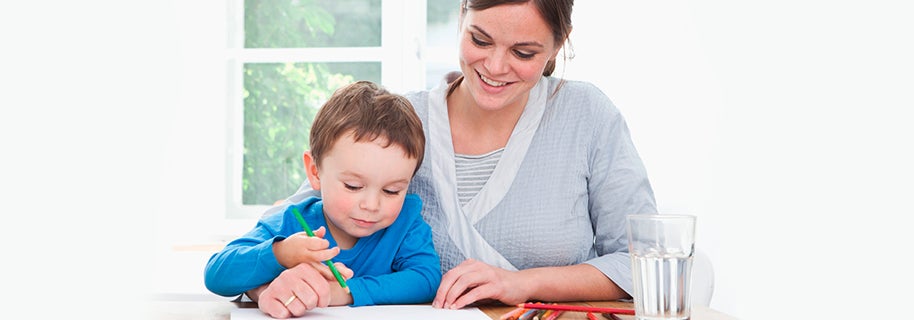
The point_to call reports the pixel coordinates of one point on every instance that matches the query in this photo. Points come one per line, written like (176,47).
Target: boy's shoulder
(411,211)
(412,204)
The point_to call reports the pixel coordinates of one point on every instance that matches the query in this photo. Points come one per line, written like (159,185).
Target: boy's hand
(300,248)
(338,295)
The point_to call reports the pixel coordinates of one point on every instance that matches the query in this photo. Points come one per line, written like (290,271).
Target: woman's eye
(478,42)
(523,55)
(351,187)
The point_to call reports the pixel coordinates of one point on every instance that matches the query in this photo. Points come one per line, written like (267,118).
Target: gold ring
(288,301)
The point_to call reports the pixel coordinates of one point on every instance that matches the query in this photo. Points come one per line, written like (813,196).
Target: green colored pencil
(329,263)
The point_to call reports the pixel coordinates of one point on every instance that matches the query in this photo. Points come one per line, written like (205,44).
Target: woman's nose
(497,62)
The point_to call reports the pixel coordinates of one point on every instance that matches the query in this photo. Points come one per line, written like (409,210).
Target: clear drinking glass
(661,248)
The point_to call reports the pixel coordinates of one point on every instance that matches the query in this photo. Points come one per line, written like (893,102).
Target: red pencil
(591,316)
(565,307)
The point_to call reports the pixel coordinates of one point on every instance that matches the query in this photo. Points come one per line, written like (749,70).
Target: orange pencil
(513,314)
(591,316)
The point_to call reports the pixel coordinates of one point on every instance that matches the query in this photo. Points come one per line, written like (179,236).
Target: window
(287,57)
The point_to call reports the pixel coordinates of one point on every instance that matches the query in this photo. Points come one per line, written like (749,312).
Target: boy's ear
(311,170)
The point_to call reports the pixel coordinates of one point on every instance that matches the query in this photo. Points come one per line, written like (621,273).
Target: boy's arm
(246,262)
(252,259)
(242,265)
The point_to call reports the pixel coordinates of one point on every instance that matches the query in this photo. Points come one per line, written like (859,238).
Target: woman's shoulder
(419,100)
(577,94)
(574,85)
(416,95)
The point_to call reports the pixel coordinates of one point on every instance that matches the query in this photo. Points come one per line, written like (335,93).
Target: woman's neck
(477,131)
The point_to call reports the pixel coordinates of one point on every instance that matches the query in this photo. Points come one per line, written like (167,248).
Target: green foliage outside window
(281,99)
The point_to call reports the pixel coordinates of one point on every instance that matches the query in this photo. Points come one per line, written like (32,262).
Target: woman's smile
(491,82)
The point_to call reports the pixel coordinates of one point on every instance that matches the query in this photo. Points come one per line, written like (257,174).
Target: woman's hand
(302,288)
(294,292)
(473,281)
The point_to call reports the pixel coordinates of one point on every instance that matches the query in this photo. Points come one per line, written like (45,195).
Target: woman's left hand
(473,281)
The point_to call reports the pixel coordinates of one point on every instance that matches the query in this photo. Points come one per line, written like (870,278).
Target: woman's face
(503,51)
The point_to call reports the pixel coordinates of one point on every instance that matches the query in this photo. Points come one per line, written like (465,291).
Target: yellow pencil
(546,314)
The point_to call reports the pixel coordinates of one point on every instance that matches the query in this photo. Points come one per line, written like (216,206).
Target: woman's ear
(566,47)
(311,170)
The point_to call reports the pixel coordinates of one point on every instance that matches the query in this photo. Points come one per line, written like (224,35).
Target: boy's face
(362,184)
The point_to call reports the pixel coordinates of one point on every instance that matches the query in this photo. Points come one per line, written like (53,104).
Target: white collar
(461,220)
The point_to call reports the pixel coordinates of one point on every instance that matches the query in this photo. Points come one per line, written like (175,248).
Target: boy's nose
(370,202)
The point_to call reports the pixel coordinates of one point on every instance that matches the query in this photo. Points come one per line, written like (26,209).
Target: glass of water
(661,248)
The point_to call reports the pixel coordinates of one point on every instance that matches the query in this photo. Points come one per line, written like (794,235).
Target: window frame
(403,34)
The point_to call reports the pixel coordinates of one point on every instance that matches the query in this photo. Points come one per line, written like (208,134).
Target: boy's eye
(352,187)
(392,192)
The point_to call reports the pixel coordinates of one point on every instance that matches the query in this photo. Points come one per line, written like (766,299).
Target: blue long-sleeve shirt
(395,265)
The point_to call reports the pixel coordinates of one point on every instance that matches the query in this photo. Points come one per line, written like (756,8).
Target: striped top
(578,179)
(472,173)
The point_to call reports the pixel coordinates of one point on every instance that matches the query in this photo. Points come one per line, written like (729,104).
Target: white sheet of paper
(399,312)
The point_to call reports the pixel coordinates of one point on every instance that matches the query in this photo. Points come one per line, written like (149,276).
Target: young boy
(366,145)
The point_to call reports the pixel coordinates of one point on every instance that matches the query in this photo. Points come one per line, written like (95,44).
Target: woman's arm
(473,281)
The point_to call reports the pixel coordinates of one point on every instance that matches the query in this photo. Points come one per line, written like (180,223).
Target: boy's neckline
(343,240)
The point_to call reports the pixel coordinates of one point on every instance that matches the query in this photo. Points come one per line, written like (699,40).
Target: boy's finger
(344,270)
(320,232)
(324,255)
(318,244)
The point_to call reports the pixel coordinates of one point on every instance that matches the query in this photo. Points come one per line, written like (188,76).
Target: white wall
(88,99)
(784,125)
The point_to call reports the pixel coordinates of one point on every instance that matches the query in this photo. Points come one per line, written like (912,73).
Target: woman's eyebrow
(478,29)
(523,43)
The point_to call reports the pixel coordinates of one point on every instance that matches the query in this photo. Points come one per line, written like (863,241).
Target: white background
(784,125)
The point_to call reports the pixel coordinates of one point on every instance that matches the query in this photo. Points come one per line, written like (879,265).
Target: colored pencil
(329,263)
(554,315)
(513,314)
(527,315)
(612,316)
(591,316)
(565,307)
(546,314)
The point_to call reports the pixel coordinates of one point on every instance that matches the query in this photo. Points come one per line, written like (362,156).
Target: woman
(547,221)
(527,178)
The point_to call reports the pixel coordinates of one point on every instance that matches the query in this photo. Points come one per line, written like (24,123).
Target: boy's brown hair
(368,111)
